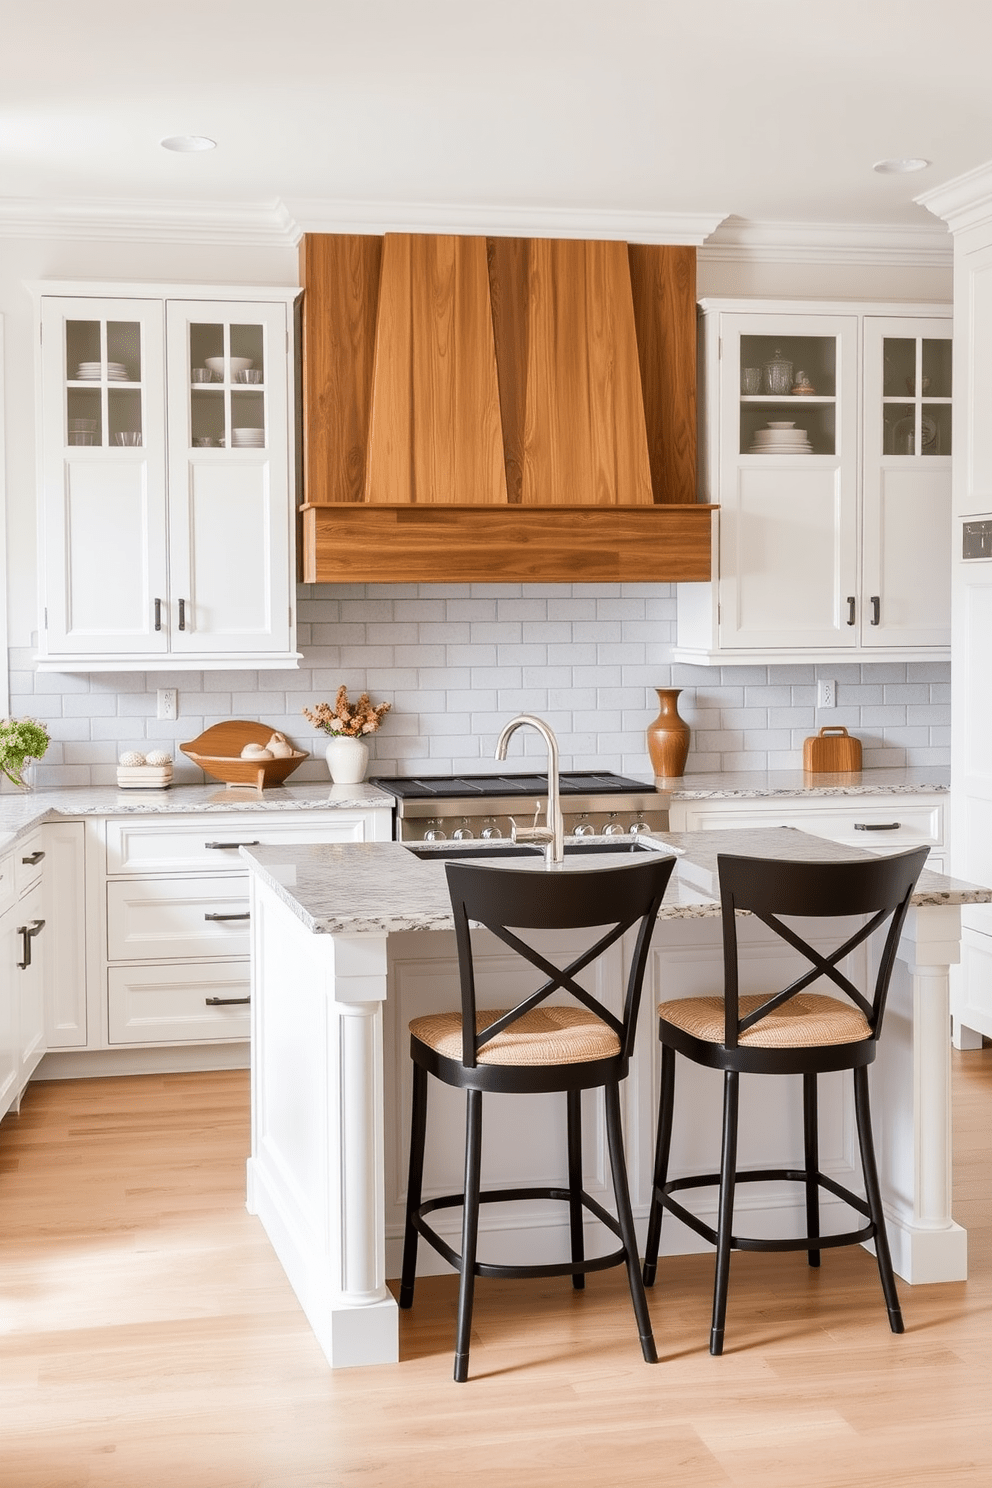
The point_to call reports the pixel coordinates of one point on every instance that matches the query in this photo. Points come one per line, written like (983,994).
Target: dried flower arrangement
(347,720)
(21,739)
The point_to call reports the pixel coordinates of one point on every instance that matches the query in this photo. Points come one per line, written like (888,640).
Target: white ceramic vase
(347,760)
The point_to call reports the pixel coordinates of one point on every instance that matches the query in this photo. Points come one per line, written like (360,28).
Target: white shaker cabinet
(166,510)
(23,945)
(826,444)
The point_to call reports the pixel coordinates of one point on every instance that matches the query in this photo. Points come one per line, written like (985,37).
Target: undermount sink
(518,850)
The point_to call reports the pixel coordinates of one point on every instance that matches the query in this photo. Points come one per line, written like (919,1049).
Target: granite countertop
(727,784)
(21,813)
(365,887)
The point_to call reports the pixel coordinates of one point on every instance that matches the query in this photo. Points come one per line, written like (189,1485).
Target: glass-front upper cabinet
(916,395)
(789,386)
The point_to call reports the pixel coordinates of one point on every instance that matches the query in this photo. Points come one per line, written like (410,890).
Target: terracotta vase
(668,736)
(347,760)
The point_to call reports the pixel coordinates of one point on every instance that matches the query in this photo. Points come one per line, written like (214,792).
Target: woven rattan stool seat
(545,1035)
(806,1021)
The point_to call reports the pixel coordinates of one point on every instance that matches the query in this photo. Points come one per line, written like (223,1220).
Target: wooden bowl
(218,752)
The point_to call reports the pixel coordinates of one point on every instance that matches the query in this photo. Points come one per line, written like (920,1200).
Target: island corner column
(316,1171)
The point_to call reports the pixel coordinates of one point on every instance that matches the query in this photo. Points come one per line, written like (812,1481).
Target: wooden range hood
(499,410)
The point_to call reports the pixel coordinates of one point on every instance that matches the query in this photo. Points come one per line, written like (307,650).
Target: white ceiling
(771,110)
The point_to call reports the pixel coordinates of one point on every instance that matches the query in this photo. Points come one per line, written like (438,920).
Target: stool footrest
(514,1195)
(765,1175)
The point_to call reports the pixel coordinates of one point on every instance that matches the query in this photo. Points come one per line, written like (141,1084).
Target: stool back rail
(535,1047)
(789,1031)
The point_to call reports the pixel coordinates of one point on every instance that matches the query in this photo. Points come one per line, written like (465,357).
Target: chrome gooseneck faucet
(552,836)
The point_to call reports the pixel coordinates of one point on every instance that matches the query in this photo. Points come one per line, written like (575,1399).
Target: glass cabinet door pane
(123,351)
(225,361)
(936,369)
(898,366)
(788,390)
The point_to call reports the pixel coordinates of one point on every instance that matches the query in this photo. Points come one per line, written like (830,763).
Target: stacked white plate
(91,371)
(780,439)
(248,438)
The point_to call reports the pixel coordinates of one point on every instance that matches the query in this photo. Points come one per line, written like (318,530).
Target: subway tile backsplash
(456,661)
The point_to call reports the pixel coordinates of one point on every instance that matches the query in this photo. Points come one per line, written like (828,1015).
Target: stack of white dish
(90,372)
(780,439)
(248,438)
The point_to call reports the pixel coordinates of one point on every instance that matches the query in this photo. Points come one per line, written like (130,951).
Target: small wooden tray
(832,750)
(218,752)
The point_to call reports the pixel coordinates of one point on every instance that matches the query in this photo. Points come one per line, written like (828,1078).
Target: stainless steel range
(433,808)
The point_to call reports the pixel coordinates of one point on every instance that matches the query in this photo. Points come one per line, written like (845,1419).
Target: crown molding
(828,243)
(240,224)
(963,202)
(318,215)
(280,224)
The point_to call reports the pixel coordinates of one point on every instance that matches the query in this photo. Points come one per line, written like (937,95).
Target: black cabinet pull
(850,609)
(225,1001)
(876,609)
(877,826)
(158,614)
(182,614)
(33,858)
(27,934)
(246,915)
(223,845)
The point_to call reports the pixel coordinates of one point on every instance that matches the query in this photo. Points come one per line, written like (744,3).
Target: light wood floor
(148,1338)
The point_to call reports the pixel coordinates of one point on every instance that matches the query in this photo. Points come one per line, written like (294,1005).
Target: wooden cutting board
(831,750)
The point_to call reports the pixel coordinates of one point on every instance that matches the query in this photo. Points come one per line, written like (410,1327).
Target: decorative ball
(131,757)
(158,757)
(279,747)
(256,752)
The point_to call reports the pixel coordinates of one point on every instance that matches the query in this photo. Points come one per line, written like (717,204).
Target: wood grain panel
(585,439)
(434,434)
(663,285)
(341,275)
(508,281)
(478,544)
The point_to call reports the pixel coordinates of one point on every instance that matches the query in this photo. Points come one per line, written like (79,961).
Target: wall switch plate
(826,694)
(168,702)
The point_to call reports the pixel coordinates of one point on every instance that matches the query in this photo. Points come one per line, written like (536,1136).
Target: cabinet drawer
(6,882)
(895,824)
(29,858)
(171,1004)
(158,920)
(210,844)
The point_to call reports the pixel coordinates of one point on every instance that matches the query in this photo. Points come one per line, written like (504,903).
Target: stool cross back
(536,1046)
(788,1031)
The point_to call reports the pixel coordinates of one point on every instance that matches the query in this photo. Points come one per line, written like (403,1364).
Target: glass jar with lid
(778,375)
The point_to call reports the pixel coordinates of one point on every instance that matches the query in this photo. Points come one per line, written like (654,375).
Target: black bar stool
(535,1047)
(785,1032)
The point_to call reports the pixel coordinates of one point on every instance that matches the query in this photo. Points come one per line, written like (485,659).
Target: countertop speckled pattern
(363,887)
(728,784)
(21,813)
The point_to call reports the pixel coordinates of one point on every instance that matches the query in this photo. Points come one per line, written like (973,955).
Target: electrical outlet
(826,694)
(168,702)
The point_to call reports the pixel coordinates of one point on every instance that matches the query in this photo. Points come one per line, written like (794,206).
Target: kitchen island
(349,942)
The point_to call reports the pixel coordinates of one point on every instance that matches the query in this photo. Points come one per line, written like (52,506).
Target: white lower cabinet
(877,823)
(177,917)
(23,946)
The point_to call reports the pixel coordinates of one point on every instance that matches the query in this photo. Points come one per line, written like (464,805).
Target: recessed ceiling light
(899,167)
(185,143)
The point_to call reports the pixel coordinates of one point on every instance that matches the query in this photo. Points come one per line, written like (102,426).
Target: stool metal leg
(812,1160)
(626,1221)
(725,1223)
(574,1098)
(663,1146)
(415,1183)
(470,1230)
(873,1195)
